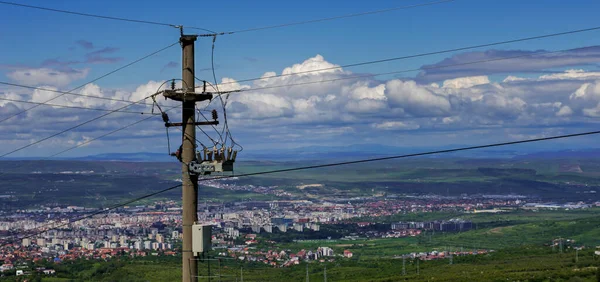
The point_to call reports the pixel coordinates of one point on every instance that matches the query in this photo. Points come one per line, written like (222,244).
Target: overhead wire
(65,92)
(223,103)
(99,16)
(71,128)
(90,215)
(71,107)
(93,80)
(88,141)
(422,54)
(200,112)
(163,114)
(203,116)
(84,144)
(369,160)
(327,19)
(215,143)
(406,70)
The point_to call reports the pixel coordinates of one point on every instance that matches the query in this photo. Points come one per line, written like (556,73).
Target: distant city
(155,229)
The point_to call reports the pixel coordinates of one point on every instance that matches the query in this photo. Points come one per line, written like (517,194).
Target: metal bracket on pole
(171,124)
(184,96)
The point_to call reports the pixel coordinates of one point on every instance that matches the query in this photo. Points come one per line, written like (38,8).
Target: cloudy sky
(522,90)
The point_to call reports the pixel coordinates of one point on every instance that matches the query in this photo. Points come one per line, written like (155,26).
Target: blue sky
(406,111)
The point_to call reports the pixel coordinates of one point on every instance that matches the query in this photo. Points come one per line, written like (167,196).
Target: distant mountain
(563,154)
(353,152)
(132,157)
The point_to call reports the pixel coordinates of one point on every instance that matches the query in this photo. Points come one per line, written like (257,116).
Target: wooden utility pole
(191,168)
(188,151)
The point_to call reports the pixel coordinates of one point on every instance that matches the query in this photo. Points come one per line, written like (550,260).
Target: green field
(514,264)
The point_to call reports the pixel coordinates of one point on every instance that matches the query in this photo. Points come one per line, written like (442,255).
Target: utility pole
(188,151)
(403,265)
(191,168)
(561,245)
(325,274)
(219,270)
(418,270)
(307,279)
(242,273)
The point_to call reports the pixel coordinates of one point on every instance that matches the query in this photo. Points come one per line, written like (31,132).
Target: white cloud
(332,111)
(365,106)
(572,74)
(395,125)
(259,106)
(46,76)
(512,78)
(144,91)
(363,91)
(415,99)
(592,112)
(564,111)
(465,82)
(9,95)
(309,66)
(450,120)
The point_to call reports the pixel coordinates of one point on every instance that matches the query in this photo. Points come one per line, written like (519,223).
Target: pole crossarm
(171,124)
(186,96)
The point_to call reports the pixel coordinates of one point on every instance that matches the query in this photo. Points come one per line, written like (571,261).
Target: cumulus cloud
(415,99)
(496,106)
(564,111)
(347,109)
(309,66)
(465,82)
(260,106)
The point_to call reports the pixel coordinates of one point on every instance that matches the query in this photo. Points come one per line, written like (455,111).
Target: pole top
(188,38)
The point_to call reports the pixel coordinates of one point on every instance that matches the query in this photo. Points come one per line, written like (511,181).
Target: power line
(101,211)
(424,54)
(407,70)
(92,140)
(106,134)
(329,18)
(94,80)
(345,163)
(421,154)
(98,16)
(71,107)
(69,129)
(88,142)
(66,92)
(225,130)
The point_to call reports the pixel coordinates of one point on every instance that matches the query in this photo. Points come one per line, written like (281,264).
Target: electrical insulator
(165,117)
(173,84)
(214,115)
